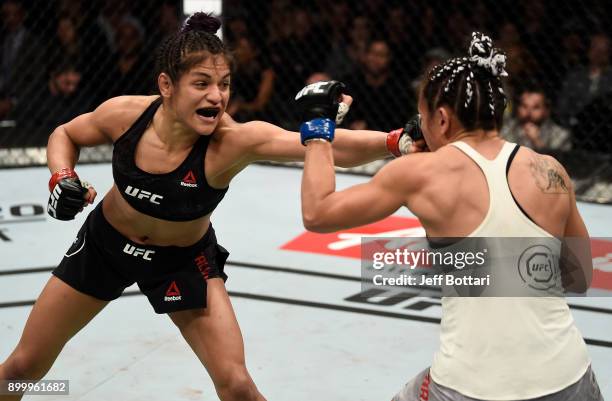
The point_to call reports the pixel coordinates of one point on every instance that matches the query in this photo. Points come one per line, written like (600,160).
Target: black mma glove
(320,110)
(67,195)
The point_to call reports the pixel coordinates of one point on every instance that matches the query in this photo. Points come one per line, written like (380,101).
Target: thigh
(58,314)
(213,332)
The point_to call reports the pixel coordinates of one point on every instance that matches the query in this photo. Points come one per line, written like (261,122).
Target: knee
(237,385)
(23,365)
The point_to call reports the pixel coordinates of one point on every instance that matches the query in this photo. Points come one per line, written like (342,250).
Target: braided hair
(194,43)
(471,85)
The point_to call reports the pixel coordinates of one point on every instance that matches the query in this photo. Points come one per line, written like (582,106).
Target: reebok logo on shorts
(189,180)
(173,293)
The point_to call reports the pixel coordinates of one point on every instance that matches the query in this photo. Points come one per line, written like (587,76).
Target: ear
(443,120)
(165,85)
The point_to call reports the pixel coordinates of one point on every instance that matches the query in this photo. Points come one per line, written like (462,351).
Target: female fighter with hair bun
(173,159)
(473,184)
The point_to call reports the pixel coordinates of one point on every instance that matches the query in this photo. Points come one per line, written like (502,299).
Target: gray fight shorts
(423,388)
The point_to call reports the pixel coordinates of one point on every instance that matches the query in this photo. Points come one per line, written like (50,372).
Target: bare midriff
(147,230)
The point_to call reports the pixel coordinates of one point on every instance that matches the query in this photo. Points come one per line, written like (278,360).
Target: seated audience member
(380,103)
(532,126)
(586,83)
(252,82)
(56,103)
(21,58)
(433,57)
(133,68)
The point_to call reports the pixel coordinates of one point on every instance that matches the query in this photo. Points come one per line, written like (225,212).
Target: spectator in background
(522,67)
(133,69)
(294,59)
(318,77)
(508,36)
(572,48)
(403,38)
(96,53)
(66,45)
(433,57)
(114,13)
(533,127)
(346,60)
(21,58)
(51,105)
(167,21)
(458,28)
(380,104)
(585,84)
(252,82)
(336,18)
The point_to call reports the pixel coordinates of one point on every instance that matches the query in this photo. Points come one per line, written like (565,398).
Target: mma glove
(400,140)
(320,110)
(67,196)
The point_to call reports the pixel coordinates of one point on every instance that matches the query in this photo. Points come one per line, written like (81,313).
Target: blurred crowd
(559,85)
(61,58)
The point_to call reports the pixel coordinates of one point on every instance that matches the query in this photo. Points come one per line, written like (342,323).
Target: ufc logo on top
(141,194)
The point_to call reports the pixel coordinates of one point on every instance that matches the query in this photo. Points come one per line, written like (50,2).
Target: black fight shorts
(101,262)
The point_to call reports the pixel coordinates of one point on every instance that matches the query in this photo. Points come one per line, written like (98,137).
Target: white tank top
(511,348)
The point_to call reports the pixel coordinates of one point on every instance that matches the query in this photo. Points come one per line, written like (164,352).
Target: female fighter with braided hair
(173,159)
(473,184)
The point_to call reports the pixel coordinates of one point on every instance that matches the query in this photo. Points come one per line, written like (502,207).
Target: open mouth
(208,112)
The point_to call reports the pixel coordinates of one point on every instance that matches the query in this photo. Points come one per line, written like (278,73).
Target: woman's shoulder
(117,114)
(127,105)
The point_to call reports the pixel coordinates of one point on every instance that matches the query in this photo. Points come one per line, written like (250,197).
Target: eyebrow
(208,75)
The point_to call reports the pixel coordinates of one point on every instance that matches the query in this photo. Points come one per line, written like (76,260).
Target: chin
(205,128)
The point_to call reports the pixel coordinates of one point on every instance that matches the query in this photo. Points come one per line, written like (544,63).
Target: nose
(213,95)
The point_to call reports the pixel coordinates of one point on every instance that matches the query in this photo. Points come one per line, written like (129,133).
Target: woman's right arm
(103,125)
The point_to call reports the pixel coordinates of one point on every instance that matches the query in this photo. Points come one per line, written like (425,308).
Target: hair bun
(201,21)
(484,55)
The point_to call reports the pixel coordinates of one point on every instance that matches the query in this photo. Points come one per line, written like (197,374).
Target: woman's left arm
(325,210)
(351,148)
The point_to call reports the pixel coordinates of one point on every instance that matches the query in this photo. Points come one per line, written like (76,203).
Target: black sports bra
(180,195)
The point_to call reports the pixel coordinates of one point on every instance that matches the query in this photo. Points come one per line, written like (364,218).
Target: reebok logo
(173,293)
(141,194)
(132,250)
(189,180)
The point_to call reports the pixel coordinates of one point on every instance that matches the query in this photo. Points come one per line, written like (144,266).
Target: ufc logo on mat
(315,88)
(53,200)
(132,250)
(141,194)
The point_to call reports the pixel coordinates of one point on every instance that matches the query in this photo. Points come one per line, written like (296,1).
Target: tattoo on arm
(548,175)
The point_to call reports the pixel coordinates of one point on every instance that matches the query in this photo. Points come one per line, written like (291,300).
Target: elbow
(310,222)
(314,223)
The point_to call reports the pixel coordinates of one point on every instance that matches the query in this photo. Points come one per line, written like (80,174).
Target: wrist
(392,142)
(61,174)
(318,128)
(311,140)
